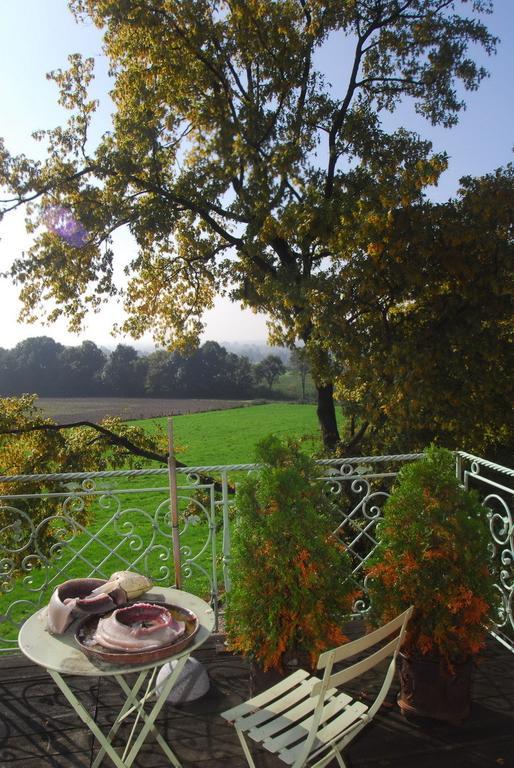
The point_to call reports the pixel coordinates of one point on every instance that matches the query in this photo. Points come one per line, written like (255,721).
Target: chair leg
(339,758)
(246,748)
(334,752)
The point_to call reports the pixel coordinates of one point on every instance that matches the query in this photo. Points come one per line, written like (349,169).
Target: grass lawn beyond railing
(229,437)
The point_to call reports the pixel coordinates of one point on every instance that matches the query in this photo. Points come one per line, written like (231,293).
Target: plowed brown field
(66,409)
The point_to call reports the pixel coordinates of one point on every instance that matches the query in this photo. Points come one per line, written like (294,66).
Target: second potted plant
(291,589)
(433,554)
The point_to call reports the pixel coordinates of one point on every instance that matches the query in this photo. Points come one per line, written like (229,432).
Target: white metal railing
(59,526)
(495,485)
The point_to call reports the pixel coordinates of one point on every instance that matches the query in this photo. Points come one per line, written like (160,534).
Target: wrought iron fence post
(459,469)
(172,479)
(226,530)
(214,565)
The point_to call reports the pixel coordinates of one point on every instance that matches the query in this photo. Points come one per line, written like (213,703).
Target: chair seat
(304,718)
(281,718)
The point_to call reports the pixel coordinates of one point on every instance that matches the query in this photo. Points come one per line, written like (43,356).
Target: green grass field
(210,438)
(229,437)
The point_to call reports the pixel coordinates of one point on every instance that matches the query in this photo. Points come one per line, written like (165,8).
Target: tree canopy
(431,351)
(234,163)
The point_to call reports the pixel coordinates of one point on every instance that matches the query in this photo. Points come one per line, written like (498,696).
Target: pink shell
(138,627)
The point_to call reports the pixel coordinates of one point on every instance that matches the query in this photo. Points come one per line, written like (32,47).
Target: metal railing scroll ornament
(359,488)
(94,524)
(495,485)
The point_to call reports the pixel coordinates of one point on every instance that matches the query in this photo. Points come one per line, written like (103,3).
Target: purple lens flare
(63,223)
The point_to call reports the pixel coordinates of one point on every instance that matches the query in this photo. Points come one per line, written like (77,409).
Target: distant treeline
(43,366)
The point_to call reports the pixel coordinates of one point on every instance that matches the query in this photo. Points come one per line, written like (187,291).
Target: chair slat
(286,720)
(276,707)
(276,743)
(330,732)
(362,643)
(266,696)
(338,678)
(301,731)
(338,726)
(291,718)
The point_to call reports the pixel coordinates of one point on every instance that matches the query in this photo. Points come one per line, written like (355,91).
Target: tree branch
(48,187)
(113,439)
(339,119)
(340,116)
(357,437)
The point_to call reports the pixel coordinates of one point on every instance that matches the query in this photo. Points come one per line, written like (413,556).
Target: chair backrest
(362,714)
(326,661)
(335,717)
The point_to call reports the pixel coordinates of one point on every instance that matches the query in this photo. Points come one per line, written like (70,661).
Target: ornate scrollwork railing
(495,484)
(91,524)
(94,529)
(359,488)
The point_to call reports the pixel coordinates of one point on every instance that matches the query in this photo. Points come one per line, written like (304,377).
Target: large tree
(231,158)
(124,373)
(270,369)
(33,364)
(81,369)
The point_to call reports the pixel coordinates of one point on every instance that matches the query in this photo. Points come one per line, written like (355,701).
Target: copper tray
(96,652)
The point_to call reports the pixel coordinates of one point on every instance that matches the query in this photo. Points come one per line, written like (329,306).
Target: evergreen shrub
(291,589)
(433,554)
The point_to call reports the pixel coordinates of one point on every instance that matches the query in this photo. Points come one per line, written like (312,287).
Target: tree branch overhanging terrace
(110,438)
(226,136)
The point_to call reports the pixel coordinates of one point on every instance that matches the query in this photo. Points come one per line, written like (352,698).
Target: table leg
(132,704)
(87,719)
(151,716)
(125,710)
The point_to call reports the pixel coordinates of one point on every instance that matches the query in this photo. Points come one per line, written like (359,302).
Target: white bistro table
(60,656)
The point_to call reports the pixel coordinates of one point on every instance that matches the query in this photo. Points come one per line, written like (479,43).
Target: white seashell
(134,584)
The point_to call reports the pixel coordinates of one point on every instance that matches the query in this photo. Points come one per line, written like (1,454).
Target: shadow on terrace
(40,730)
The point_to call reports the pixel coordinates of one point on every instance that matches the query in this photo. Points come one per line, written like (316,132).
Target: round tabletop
(61,653)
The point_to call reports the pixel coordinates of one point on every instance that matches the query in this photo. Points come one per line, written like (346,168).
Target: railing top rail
(486,463)
(70,476)
(371,459)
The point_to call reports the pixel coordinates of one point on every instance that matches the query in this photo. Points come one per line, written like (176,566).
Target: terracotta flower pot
(427,689)
(261,680)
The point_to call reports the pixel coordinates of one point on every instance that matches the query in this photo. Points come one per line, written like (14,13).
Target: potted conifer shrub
(433,554)
(291,590)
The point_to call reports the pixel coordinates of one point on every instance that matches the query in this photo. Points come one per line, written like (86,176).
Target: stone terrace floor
(38,729)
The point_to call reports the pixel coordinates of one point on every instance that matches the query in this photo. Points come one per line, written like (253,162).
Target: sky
(36,37)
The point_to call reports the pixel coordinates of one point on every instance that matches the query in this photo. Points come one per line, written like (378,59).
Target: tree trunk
(303,377)
(327,416)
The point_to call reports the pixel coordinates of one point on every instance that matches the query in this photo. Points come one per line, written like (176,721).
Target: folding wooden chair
(304,718)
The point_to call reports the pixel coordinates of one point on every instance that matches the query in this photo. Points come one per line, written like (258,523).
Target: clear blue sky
(36,36)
